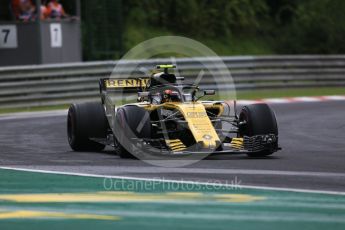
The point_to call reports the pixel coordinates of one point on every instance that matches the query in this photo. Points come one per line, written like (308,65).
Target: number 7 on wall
(8,36)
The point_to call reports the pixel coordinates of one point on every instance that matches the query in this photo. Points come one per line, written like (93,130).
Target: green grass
(253,94)
(33,109)
(278,93)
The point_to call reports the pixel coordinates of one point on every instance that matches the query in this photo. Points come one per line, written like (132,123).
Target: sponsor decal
(207,137)
(196,114)
(126,83)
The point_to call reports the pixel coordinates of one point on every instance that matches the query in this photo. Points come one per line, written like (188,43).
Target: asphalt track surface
(311,134)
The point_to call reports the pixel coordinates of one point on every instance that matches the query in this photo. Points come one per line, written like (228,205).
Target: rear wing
(114,88)
(130,84)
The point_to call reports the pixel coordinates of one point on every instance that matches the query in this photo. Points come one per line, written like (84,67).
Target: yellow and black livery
(170,118)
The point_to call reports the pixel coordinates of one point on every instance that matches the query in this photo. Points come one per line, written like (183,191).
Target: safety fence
(56,84)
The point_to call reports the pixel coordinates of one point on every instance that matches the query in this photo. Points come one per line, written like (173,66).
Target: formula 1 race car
(169,119)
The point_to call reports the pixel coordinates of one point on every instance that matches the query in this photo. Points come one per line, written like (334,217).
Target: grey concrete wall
(28,50)
(34,41)
(70,50)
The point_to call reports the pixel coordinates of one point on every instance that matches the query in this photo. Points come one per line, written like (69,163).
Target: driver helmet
(170,96)
(167,95)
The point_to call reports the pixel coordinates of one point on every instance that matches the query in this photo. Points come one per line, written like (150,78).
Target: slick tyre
(130,122)
(259,119)
(86,121)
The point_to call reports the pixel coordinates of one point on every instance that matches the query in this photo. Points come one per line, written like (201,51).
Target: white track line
(275,101)
(293,100)
(333,98)
(176,181)
(213,171)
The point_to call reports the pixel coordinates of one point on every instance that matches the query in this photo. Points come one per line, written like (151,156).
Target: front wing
(254,144)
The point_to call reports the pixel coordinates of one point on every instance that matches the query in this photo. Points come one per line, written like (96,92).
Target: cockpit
(172,94)
(165,87)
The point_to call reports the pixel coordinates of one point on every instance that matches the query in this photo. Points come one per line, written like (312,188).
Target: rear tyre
(259,120)
(130,122)
(85,121)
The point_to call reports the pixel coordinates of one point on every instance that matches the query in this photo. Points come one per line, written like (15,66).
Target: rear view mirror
(209,92)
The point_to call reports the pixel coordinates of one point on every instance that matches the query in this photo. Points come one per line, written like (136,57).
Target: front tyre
(258,119)
(86,121)
(130,122)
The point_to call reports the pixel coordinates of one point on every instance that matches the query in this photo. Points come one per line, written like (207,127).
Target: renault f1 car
(169,119)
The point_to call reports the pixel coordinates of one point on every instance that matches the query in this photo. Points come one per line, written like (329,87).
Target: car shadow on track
(242,157)
(218,157)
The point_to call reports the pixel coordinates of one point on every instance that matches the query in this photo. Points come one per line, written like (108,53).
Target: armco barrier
(27,86)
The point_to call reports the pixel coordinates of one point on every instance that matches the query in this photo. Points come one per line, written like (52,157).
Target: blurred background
(287,53)
(229,27)
(274,48)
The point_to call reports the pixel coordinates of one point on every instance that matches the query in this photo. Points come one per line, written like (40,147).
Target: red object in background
(15,8)
(44,12)
(23,9)
(55,10)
